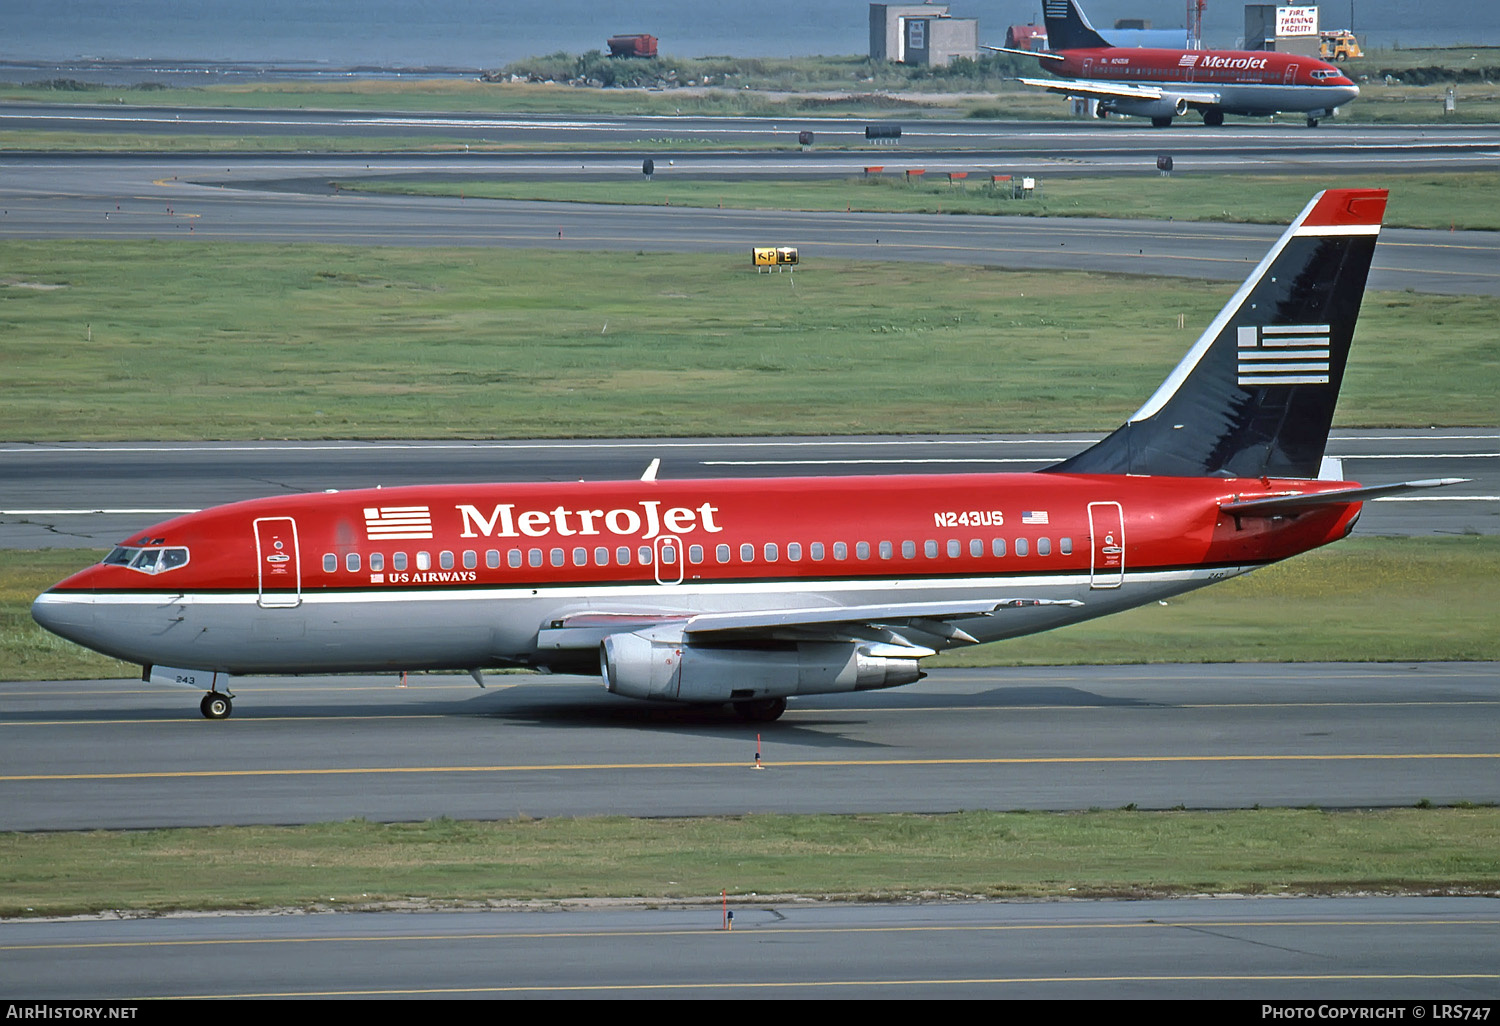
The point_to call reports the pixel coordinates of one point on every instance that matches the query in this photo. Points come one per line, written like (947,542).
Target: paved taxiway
(121,754)
(93,495)
(1318,949)
(1059,146)
(291,199)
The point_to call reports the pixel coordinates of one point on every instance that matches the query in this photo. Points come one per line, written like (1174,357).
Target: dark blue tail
(1254,397)
(1068,27)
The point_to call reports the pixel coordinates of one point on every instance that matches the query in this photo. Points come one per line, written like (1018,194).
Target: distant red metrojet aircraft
(751,591)
(1163,84)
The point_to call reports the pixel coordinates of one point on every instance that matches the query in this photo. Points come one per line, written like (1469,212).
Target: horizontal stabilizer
(1276,505)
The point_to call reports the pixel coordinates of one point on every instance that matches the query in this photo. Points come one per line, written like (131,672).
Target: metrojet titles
(645,519)
(1212,61)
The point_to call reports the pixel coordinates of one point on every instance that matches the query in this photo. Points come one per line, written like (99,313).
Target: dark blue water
(482,34)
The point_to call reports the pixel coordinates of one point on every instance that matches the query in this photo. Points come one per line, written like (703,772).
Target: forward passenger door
(278,569)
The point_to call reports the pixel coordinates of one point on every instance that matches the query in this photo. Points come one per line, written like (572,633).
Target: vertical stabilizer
(1255,395)
(1068,27)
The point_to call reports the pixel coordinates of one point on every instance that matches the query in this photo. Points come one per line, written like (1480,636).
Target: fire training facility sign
(1296,21)
(774,256)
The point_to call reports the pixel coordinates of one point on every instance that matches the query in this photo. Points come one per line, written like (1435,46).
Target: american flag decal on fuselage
(392,522)
(1283,354)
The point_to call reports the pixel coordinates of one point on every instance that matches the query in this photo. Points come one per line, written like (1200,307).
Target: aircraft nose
(67,608)
(64,616)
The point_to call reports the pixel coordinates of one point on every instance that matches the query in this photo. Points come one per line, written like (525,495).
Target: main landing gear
(761,710)
(216,705)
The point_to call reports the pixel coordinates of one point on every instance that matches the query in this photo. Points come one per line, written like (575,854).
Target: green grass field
(804,88)
(883,858)
(1363,599)
(1463,201)
(188,340)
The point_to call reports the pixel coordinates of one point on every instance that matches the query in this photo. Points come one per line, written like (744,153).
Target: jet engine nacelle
(639,666)
(1166,107)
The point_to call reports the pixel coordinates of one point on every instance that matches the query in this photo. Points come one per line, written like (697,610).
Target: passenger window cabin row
(723,554)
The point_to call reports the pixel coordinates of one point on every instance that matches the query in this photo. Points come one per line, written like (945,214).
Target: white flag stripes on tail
(1283,354)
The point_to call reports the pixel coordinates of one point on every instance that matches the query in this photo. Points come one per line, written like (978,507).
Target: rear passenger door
(1107,545)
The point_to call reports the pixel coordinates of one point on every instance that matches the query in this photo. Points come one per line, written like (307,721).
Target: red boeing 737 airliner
(1163,84)
(751,591)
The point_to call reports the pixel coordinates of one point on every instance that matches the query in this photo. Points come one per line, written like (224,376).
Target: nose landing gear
(216,705)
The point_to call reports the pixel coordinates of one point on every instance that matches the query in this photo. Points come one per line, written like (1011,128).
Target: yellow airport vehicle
(1338,45)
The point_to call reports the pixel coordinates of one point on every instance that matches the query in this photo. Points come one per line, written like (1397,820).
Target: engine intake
(1166,107)
(638,666)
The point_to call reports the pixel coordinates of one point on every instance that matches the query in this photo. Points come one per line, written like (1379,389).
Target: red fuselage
(1199,67)
(283,584)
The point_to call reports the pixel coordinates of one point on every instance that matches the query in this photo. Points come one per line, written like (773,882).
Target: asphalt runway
(72,495)
(1313,951)
(124,755)
(292,199)
(1081,146)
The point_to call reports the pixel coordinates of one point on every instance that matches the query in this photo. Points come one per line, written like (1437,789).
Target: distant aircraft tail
(1254,397)
(1068,27)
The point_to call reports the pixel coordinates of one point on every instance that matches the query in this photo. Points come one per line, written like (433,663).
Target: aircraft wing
(1119,90)
(844,622)
(905,626)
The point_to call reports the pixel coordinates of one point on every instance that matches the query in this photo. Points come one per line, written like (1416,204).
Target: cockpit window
(148,560)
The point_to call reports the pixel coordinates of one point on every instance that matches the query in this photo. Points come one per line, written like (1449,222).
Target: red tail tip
(1340,207)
